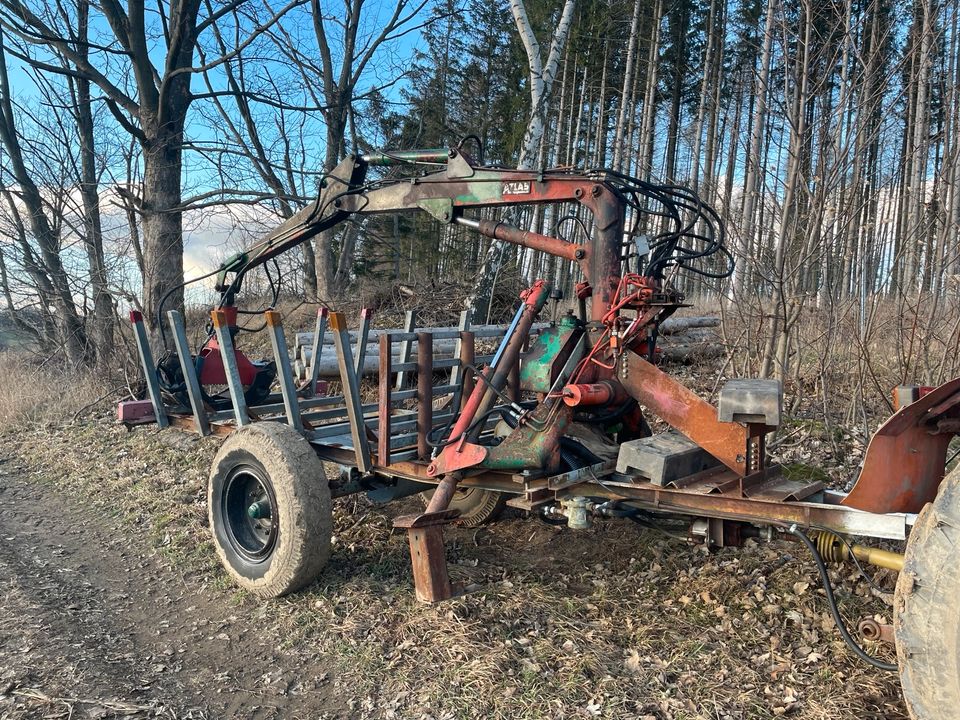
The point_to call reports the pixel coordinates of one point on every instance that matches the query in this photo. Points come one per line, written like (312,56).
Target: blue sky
(211,234)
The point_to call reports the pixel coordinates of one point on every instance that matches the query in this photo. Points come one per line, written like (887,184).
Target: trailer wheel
(476,506)
(269,507)
(926,613)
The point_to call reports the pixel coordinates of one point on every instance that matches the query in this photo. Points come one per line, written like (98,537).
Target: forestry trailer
(548,417)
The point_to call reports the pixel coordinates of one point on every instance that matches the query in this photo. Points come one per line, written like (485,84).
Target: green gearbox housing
(541,364)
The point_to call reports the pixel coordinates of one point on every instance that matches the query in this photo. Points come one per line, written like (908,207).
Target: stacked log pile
(681,340)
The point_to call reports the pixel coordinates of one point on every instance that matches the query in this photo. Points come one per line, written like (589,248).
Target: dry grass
(612,622)
(34,392)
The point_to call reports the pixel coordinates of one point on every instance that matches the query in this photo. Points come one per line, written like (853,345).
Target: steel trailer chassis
(388,456)
(423,433)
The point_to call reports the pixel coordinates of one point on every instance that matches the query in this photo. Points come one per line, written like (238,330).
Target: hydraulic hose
(578,451)
(832,602)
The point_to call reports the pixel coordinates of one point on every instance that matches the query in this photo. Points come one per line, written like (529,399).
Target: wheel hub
(248,504)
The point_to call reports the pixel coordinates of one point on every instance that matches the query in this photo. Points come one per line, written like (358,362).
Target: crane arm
(446,194)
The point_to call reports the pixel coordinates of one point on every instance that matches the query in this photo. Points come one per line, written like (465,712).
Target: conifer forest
(826,135)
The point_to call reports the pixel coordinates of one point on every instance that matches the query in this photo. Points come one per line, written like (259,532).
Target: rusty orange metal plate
(458,456)
(905,459)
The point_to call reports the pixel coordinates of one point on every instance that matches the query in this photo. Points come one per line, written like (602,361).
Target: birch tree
(542,73)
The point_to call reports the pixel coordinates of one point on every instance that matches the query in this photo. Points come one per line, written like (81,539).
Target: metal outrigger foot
(427,553)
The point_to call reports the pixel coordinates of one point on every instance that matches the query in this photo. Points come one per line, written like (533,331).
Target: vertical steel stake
(424,391)
(465,320)
(318,333)
(351,391)
(363,334)
(406,346)
(149,368)
(385,407)
(280,354)
(189,371)
(225,341)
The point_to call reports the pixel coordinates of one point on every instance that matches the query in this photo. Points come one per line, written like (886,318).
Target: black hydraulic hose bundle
(442,430)
(171,291)
(608,416)
(679,243)
(579,451)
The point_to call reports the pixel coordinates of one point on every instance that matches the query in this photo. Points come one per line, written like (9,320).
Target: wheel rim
(464,494)
(249,506)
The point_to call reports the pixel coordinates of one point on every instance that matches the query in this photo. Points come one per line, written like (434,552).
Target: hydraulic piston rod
(525,238)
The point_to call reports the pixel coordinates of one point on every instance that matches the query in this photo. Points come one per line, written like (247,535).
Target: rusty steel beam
(526,238)
(838,518)
(830,514)
(424,392)
(682,409)
(385,406)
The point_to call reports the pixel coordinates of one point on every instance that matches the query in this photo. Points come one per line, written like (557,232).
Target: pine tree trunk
(645,149)
(751,185)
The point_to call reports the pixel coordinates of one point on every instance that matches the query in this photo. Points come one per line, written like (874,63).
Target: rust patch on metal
(682,409)
(427,555)
(905,460)
(457,457)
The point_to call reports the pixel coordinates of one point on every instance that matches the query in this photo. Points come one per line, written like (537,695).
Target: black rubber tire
(275,458)
(927,609)
(476,506)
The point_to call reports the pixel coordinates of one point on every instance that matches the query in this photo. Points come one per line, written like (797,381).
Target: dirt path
(89,625)
(110,594)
